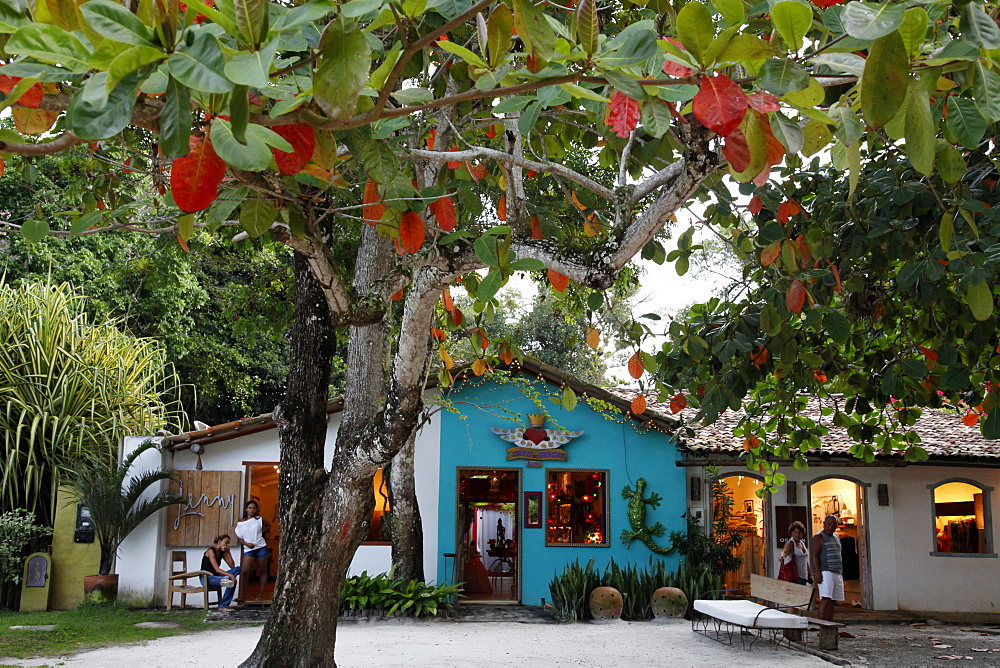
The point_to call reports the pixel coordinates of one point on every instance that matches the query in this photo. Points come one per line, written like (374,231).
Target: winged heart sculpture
(535,441)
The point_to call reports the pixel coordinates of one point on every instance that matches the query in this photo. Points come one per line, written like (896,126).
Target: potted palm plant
(118,504)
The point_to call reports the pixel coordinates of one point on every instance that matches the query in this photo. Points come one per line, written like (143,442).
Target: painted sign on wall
(210,509)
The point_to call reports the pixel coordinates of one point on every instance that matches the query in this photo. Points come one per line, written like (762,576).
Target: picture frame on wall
(532,510)
(748,506)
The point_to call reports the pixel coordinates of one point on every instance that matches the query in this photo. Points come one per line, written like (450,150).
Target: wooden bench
(780,613)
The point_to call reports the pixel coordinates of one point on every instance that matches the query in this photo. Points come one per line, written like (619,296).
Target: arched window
(962,523)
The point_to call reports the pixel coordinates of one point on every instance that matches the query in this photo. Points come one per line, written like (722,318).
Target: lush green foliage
(89,626)
(17,531)
(69,389)
(571,589)
(119,499)
(716,551)
(392,596)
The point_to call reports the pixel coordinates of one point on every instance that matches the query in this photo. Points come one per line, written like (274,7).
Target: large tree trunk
(324,516)
(407,528)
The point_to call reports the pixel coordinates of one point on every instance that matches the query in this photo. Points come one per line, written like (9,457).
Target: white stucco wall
(143,565)
(900,536)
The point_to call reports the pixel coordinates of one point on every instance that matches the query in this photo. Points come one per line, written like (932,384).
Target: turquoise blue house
(520,497)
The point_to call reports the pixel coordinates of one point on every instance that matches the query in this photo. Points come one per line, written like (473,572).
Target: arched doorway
(749,516)
(845,498)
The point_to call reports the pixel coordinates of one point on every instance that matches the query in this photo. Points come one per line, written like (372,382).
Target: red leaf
(795,298)
(755,205)
(444,211)
(477,172)
(672,69)
(432,136)
(763,101)
(805,253)
(502,208)
(437,334)
(623,114)
(457,317)
(770,253)
(720,104)
(635,366)
(536,228)
(396,296)
(195,178)
(759,358)
(823,4)
(788,209)
(412,231)
(839,286)
(303,140)
(454,164)
(446,299)
(736,150)
(492,132)
(639,404)
(678,403)
(558,281)
(31,98)
(374,207)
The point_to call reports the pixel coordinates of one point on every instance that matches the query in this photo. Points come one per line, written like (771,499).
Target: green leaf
(656,118)
(920,130)
(255,154)
(568,398)
(239,113)
(34,230)
(849,128)
(534,30)
(378,161)
(581,93)
(175,120)
(817,136)
(585,25)
(526,123)
(130,60)
(317,9)
(256,216)
(489,286)
(499,34)
(990,425)
(92,118)
(979,297)
(745,48)
(633,46)
(527,264)
(52,45)
(200,65)
(465,54)
(792,20)
(965,122)
(413,96)
(913,30)
(695,29)
(950,163)
(787,132)
(732,11)
(978,27)
(252,68)
(845,63)
(486,251)
(251,19)
(884,82)
(946,231)
(110,19)
(781,75)
(871,20)
(12,17)
(345,57)
(986,88)
(838,326)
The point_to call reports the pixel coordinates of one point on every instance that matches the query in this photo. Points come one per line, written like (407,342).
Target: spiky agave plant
(118,502)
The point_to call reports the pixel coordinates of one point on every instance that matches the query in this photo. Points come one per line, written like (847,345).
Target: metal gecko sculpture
(637,518)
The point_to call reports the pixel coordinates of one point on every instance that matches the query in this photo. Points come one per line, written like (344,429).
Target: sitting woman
(251,532)
(211,562)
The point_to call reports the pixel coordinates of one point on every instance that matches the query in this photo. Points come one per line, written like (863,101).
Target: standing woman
(251,532)
(212,561)
(795,548)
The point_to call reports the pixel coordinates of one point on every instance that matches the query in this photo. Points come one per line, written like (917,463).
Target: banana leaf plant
(118,502)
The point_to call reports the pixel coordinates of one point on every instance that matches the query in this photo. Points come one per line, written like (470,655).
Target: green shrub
(17,530)
(571,591)
(393,596)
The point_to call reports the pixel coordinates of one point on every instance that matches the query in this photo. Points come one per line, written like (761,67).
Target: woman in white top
(251,532)
(795,548)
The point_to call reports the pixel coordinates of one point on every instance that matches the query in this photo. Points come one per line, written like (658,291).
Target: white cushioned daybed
(750,615)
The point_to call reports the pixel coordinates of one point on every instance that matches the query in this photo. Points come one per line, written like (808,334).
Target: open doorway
(488,535)
(261,486)
(845,499)
(747,517)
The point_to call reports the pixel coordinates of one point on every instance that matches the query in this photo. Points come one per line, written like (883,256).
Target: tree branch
(64,141)
(492,154)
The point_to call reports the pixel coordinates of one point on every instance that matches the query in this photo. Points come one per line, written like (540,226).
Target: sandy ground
(458,644)
(920,645)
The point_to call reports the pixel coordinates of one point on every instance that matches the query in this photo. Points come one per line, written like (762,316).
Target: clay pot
(606,604)
(101,588)
(669,604)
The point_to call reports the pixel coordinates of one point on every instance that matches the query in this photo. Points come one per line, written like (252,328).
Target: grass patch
(87,627)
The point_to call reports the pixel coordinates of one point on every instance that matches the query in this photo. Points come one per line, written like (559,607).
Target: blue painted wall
(467,442)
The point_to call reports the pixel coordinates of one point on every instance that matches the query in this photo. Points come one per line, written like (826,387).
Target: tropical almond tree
(402,146)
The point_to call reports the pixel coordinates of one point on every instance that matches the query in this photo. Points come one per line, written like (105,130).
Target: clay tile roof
(941,431)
